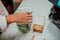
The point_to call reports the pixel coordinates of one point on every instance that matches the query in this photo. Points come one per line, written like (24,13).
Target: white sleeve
(3,23)
(3,10)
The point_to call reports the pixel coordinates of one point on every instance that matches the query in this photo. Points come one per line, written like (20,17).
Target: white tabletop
(40,8)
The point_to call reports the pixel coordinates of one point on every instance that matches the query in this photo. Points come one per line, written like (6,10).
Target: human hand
(20,17)
(23,17)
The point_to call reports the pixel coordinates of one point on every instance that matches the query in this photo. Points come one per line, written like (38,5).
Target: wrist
(10,18)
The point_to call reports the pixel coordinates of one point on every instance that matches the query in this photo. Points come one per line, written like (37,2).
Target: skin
(20,17)
(19,1)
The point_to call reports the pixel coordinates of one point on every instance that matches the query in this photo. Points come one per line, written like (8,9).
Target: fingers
(29,18)
(30,15)
(29,21)
(28,12)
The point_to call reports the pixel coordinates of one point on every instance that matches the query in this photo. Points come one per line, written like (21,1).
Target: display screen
(55,3)
(58,3)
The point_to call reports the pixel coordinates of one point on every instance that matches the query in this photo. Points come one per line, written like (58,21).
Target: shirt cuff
(3,23)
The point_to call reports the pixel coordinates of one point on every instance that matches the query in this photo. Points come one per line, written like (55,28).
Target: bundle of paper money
(23,27)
